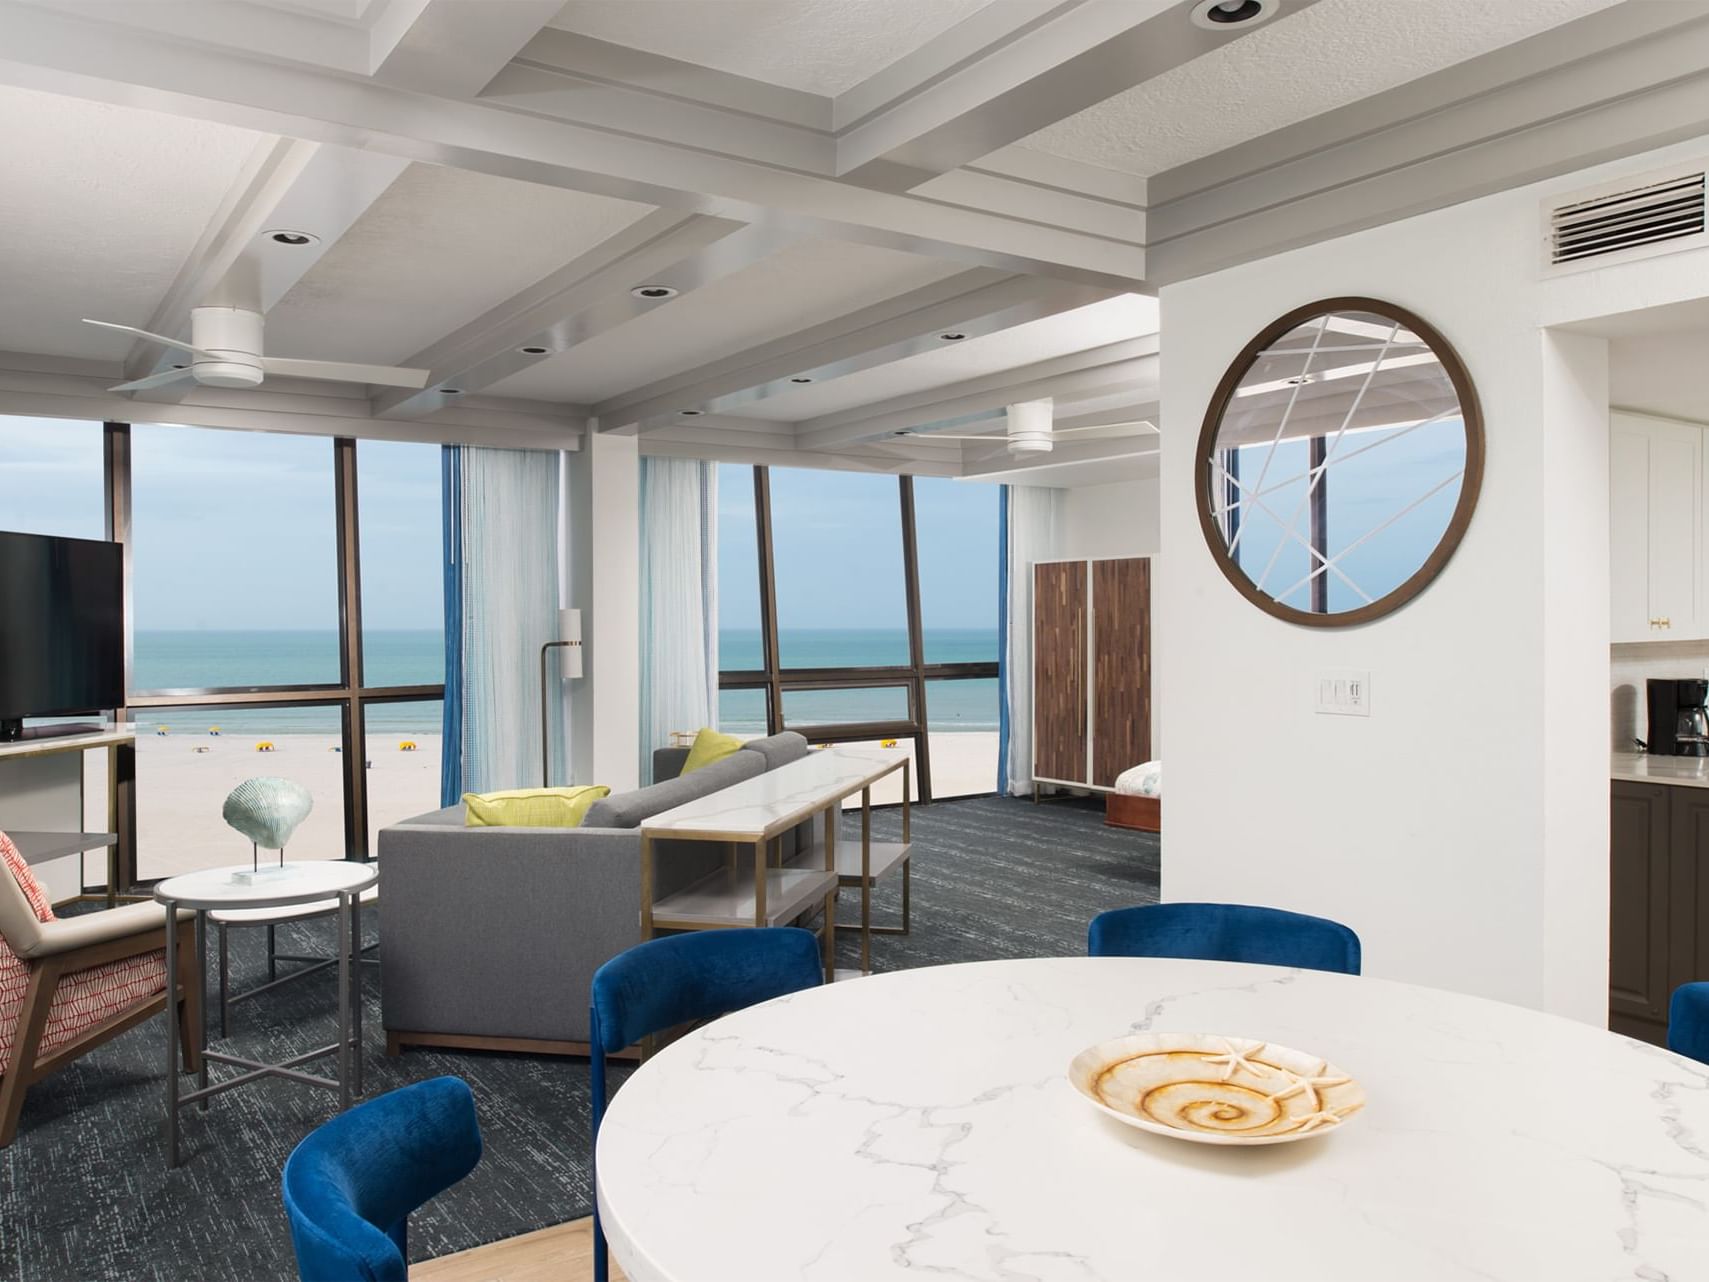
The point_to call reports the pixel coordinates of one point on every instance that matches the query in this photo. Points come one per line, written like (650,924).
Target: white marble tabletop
(920,1123)
(1640,767)
(308,880)
(755,807)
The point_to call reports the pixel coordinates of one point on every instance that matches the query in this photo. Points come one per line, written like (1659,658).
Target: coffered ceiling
(817,232)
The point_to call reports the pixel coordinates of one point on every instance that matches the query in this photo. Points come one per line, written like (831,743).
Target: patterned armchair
(68,985)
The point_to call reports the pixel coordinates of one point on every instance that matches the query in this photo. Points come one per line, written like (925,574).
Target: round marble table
(920,1124)
(230,888)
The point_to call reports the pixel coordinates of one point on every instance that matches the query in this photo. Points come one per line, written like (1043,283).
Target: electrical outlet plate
(1344,692)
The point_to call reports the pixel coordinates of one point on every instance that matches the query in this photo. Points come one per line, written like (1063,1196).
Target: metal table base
(348,1047)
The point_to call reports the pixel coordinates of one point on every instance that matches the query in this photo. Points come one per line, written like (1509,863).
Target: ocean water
(187,659)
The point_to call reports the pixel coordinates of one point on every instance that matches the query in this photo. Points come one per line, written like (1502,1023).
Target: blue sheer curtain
(501,603)
(679,600)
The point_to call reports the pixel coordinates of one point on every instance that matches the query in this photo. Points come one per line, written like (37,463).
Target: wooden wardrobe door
(1059,670)
(1121,683)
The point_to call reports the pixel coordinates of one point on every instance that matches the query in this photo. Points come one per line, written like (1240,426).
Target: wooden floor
(562,1253)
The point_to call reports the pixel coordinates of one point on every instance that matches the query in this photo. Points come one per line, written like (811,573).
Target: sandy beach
(184,776)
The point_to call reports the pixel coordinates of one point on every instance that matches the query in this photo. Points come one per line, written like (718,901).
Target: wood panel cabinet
(1091,670)
(1656,529)
(1658,902)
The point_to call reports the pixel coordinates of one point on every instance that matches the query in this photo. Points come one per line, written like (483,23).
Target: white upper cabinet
(1656,561)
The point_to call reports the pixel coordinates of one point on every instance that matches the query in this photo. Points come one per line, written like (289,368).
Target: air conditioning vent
(1619,221)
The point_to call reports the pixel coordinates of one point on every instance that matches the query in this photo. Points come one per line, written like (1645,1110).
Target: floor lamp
(569,638)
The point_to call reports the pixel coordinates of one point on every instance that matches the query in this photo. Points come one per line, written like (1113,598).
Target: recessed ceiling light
(690,413)
(653,292)
(801,379)
(534,349)
(1219,15)
(450,391)
(286,236)
(952,337)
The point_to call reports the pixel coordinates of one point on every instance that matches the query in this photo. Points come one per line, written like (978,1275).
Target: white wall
(1462,827)
(603,537)
(1118,519)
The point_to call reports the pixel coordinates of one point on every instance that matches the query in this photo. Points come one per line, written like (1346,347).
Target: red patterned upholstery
(83,999)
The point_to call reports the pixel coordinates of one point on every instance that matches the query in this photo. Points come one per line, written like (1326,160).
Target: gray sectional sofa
(490,936)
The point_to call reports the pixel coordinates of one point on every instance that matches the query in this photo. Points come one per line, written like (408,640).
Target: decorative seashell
(268,810)
(1217,1090)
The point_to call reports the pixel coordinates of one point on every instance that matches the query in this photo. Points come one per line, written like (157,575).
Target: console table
(754,813)
(41,798)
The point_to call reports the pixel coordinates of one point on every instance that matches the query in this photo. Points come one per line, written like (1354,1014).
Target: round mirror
(1339,462)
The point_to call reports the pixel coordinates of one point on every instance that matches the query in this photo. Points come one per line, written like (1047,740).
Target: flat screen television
(62,628)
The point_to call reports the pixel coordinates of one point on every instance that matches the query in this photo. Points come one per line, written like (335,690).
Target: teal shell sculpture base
(268,810)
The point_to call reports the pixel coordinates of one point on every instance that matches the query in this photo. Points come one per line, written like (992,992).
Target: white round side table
(232,887)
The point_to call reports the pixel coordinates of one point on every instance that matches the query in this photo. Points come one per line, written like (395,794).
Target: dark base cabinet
(1658,902)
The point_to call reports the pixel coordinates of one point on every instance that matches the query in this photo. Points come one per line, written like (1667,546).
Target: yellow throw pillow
(710,746)
(530,807)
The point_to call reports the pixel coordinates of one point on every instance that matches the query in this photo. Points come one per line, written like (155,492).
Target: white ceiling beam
(584,298)
(454,48)
(969,304)
(1114,367)
(883,461)
(290,184)
(1620,81)
(1083,54)
(52,51)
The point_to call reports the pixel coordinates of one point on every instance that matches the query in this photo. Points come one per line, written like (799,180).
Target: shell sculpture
(1216,1090)
(268,810)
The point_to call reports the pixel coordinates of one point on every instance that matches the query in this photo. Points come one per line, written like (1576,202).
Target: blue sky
(235,530)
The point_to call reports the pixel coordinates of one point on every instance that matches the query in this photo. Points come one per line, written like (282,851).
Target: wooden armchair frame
(25,1067)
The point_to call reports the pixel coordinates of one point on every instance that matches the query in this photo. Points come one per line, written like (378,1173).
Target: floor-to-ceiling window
(285,619)
(53,482)
(858,608)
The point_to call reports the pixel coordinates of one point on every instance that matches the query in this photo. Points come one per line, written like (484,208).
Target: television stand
(15,731)
(42,799)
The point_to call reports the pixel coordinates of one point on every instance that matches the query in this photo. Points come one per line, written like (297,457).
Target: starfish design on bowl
(1312,1083)
(1235,1059)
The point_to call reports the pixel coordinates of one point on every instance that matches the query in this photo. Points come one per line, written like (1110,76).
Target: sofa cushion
(709,746)
(531,807)
(628,809)
(779,749)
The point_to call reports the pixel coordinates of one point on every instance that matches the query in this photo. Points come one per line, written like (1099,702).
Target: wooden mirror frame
(1471,415)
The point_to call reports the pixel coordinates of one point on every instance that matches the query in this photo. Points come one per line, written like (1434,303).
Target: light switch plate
(1344,692)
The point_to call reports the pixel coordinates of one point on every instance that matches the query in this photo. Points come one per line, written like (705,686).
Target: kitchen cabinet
(1658,902)
(1656,528)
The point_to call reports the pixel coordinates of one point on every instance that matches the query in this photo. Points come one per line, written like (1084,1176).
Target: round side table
(233,888)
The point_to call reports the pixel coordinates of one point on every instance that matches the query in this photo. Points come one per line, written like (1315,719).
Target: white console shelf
(42,802)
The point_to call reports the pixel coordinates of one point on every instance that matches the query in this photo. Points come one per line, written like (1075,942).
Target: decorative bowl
(1215,1090)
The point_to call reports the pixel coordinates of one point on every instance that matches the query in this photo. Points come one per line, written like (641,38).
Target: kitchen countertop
(1638,767)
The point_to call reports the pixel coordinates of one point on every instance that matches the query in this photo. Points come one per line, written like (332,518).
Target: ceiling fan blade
(945,436)
(153,338)
(1142,424)
(153,380)
(346,372)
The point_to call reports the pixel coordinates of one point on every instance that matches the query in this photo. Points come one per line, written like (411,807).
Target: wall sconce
(569,639)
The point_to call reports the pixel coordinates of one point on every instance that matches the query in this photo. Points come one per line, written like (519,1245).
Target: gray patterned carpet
(84,1193)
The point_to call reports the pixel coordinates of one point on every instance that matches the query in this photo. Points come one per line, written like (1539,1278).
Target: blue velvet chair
(1225,932)
(350,1185)
(1688,1021)
(682,978)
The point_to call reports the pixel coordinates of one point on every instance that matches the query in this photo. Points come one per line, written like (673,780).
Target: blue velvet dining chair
(350,1185)
(1225,932)
(1688,1021)
(683,978)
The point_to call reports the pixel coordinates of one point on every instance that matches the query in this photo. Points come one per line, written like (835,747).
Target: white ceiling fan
(1031,429)
(225,343)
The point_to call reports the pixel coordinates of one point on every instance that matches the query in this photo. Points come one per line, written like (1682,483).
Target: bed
(1137,801)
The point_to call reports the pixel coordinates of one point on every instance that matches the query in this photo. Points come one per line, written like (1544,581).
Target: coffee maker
(1679,717)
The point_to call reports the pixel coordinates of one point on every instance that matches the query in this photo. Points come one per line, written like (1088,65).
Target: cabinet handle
(1666,622)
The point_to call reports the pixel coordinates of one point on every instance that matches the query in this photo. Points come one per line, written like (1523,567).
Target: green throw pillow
(530,807)
(710,746)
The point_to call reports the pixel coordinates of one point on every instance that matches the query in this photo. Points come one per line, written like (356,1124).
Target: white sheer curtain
(1035,534)
(679,600)
(509,538)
